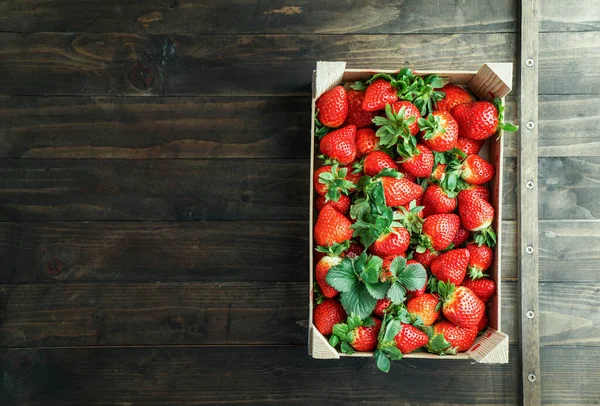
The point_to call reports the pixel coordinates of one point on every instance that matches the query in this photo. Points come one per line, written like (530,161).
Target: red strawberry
(342,205)
(321,271)
(354,250)
(365,338)
(439,230)
(352,177)
(476,190)
(476,170)
(483,323)
(455,95)
(366,142)
(483,288)
(477,120)
(381,307)
(425,258)
(469,146)
(332,107)
(461,236)
(426,306)
(440,131)
(480,260)
(451,266)
(410,338)
(420,165)
(459,337)
(461,306)
(436,201)
(332,227)
(407,176)
(475,213)
(410,110)
(340,144)
(376,161)
(328,314)
(393,243)
(398,192)
(356,115)
(332,182)
(438,172)
(379,93)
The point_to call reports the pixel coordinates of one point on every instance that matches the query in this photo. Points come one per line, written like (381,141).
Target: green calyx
(395,127)
(505,126)
(386,345)
(431,126)
(439,345)
(410,219)
(317,294)
(334,250)
(476,273)
(336,183)
(320,129)
(486,236)
(445,290)
(358,85)
(422,91)
(344,332)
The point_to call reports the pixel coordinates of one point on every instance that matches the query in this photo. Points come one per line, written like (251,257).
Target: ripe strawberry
(439,231)
(437,201)
(332,227)
(342,205)
(321,271)
(483,288)
(483,323)
(469,146)
(332,182)
(451,266)
(366,141)
(426,306)
(477,120)
(410,338)
(332,107)
(376,161)
(439,130)
(475,213)
(410,110)
(340,145)
(461,306)
(381,307)
(354,250)
(328,314)
(480,260)
(455,95)
(379,93)
(438,172)
(461,236)
(459,337)
(476,190)
(398,192)
(419,165)
(393,243)
(356,115)
(407,175)
(476,170)
(425,258)
(364,338)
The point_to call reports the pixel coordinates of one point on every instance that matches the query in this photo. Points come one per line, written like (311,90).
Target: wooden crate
(491,80)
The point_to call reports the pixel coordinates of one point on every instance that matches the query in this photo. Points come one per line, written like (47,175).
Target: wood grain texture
(281,17)
(569,15)
(244,375)
(67,190)
(162,127)
(153,252)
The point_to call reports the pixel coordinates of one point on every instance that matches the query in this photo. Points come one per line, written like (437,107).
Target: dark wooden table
(154,198)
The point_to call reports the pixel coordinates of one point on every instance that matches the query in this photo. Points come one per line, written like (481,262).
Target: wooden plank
(249,376)
(570,15)
(70,190)
(528,204)
(281,17)
(153,252)
(165,127)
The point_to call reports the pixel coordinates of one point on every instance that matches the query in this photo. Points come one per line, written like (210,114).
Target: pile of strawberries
(404,232)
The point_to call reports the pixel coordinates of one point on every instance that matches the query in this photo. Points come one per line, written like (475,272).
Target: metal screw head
(529,62)
(530,125)
(530,314)
(531,377)
(529,249)
(529,185)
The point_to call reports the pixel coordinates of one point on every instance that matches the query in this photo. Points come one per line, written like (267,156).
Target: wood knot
(140,76)
(55,266)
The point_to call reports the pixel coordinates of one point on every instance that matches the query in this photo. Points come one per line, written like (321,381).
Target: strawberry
(356,334)
(410,338)
(393,243)
(340,145)
(366,142)
(480,260)
(451,266)
(426,257)
(455,95)
(332,227)
(354,250)
(419,165)
(469,146)
(407,175)
(342,205)
(410,111)
(398,126)
(460,305)
(475,213)
(476,170)
(356,115)
(332,107)
(484,322)
(476,190)
(461,236)
(332,182)
(379,93)
(365,338)
(381,306)
(483,288)
(438,172)
(437,201)
(321,271)
(481,119)
(398,192)
(376,161)
(438,231)
(439,130)
(460,338)
(328,314)
(427,307)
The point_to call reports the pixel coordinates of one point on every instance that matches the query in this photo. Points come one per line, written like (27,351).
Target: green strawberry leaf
(342,277)
(439,345)
(372,270)
(392,329)
(358,85)
(334,340)
(396,293)
(510,128)
(378,290)
(358,301)
(382,361)
(413,277)
(347,348)
(397,265)
(341,330)
(368,322)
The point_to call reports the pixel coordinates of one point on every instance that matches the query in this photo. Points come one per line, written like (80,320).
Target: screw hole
(531,377)
(529,62)
(530,314)
(529,249)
